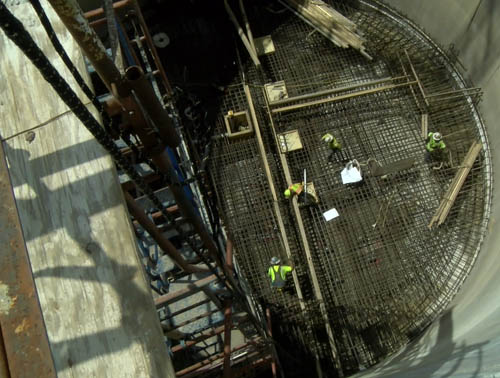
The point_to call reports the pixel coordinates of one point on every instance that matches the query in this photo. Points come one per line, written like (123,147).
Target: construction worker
(435,143)
(294,189)
(332,142)
(278,272)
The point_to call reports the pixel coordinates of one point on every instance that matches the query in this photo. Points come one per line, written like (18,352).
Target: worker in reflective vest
(332,142)
(278,272)
(435,142)
(294,189)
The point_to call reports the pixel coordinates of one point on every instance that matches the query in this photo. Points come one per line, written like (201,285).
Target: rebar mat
(383,273)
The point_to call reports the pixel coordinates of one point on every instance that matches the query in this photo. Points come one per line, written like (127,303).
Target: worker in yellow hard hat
(332,142)
(294,189)
(277,273)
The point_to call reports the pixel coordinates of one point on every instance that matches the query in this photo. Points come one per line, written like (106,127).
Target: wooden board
(28,110)
(97,306)
(400,165)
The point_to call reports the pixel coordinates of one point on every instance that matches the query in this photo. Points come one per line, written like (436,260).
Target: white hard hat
(328,138)
(275,260)
(437,137)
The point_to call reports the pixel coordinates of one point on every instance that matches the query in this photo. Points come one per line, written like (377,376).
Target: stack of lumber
(459,179)
(333,25)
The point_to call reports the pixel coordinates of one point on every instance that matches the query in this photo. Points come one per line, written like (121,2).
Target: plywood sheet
(21,106)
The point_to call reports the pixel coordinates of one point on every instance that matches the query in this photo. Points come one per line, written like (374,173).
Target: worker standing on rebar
(294,189)
(435,145)
(332,142)
(278,272)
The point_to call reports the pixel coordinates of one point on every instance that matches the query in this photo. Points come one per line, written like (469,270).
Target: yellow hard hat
(327,138)
(287,193)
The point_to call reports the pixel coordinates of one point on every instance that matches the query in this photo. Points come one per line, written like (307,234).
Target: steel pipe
(137,81)
(157,235)
(73,18)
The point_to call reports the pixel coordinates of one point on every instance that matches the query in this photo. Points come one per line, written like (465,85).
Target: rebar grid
(384,275)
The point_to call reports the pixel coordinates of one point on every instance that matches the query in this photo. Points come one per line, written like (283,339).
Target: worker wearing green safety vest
(332,142)
(293,189)
(435,142)
(278,272)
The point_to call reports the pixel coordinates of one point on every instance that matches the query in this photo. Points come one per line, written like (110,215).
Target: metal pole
(227,315)
(150,103)
(270,332)
(72,16)
(155,233)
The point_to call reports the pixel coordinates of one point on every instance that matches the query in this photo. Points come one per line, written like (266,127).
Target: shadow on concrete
(118,294)
(443,359)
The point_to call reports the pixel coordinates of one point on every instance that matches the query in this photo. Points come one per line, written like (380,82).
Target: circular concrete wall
(465,340)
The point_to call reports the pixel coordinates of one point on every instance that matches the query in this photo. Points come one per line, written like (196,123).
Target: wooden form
(270,182)
(307,250)
(455,186)
(332,24)
(341,97)
(290,141)
(238,124)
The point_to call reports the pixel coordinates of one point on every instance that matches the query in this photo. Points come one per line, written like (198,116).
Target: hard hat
(437,137)
(287,193)
(275,260)
(327,138)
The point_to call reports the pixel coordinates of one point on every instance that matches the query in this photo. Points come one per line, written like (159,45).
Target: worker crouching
(332,142)
(277,273)
(435,146)
(294,189)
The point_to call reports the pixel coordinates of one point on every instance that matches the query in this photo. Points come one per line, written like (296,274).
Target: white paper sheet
(330,214)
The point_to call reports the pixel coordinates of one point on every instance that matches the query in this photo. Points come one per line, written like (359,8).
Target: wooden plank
(249,46)
(419,83)
(425,125)
(397,166)
(20,107)
(270,181)
(95,300)
(325,92)
(341,97)
(456,185)
(333,25)
(307,250)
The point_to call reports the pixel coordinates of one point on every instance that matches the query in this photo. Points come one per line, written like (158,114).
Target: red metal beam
(166,299)
(199,339)
(202,366)
(100,11)
(270,333)
(22,327)
(158,236)
(227,339)
(227,315)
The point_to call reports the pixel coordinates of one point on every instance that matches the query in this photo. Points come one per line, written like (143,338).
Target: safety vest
(432,144)
(334,145)
(278,275)
(294,188)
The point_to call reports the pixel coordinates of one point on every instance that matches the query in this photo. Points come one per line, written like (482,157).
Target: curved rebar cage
(382,272)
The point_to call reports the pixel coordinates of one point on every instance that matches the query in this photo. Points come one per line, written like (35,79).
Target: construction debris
(453,190)
(332,24)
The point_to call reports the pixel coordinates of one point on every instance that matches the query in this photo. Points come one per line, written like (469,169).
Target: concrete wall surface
(465,341)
